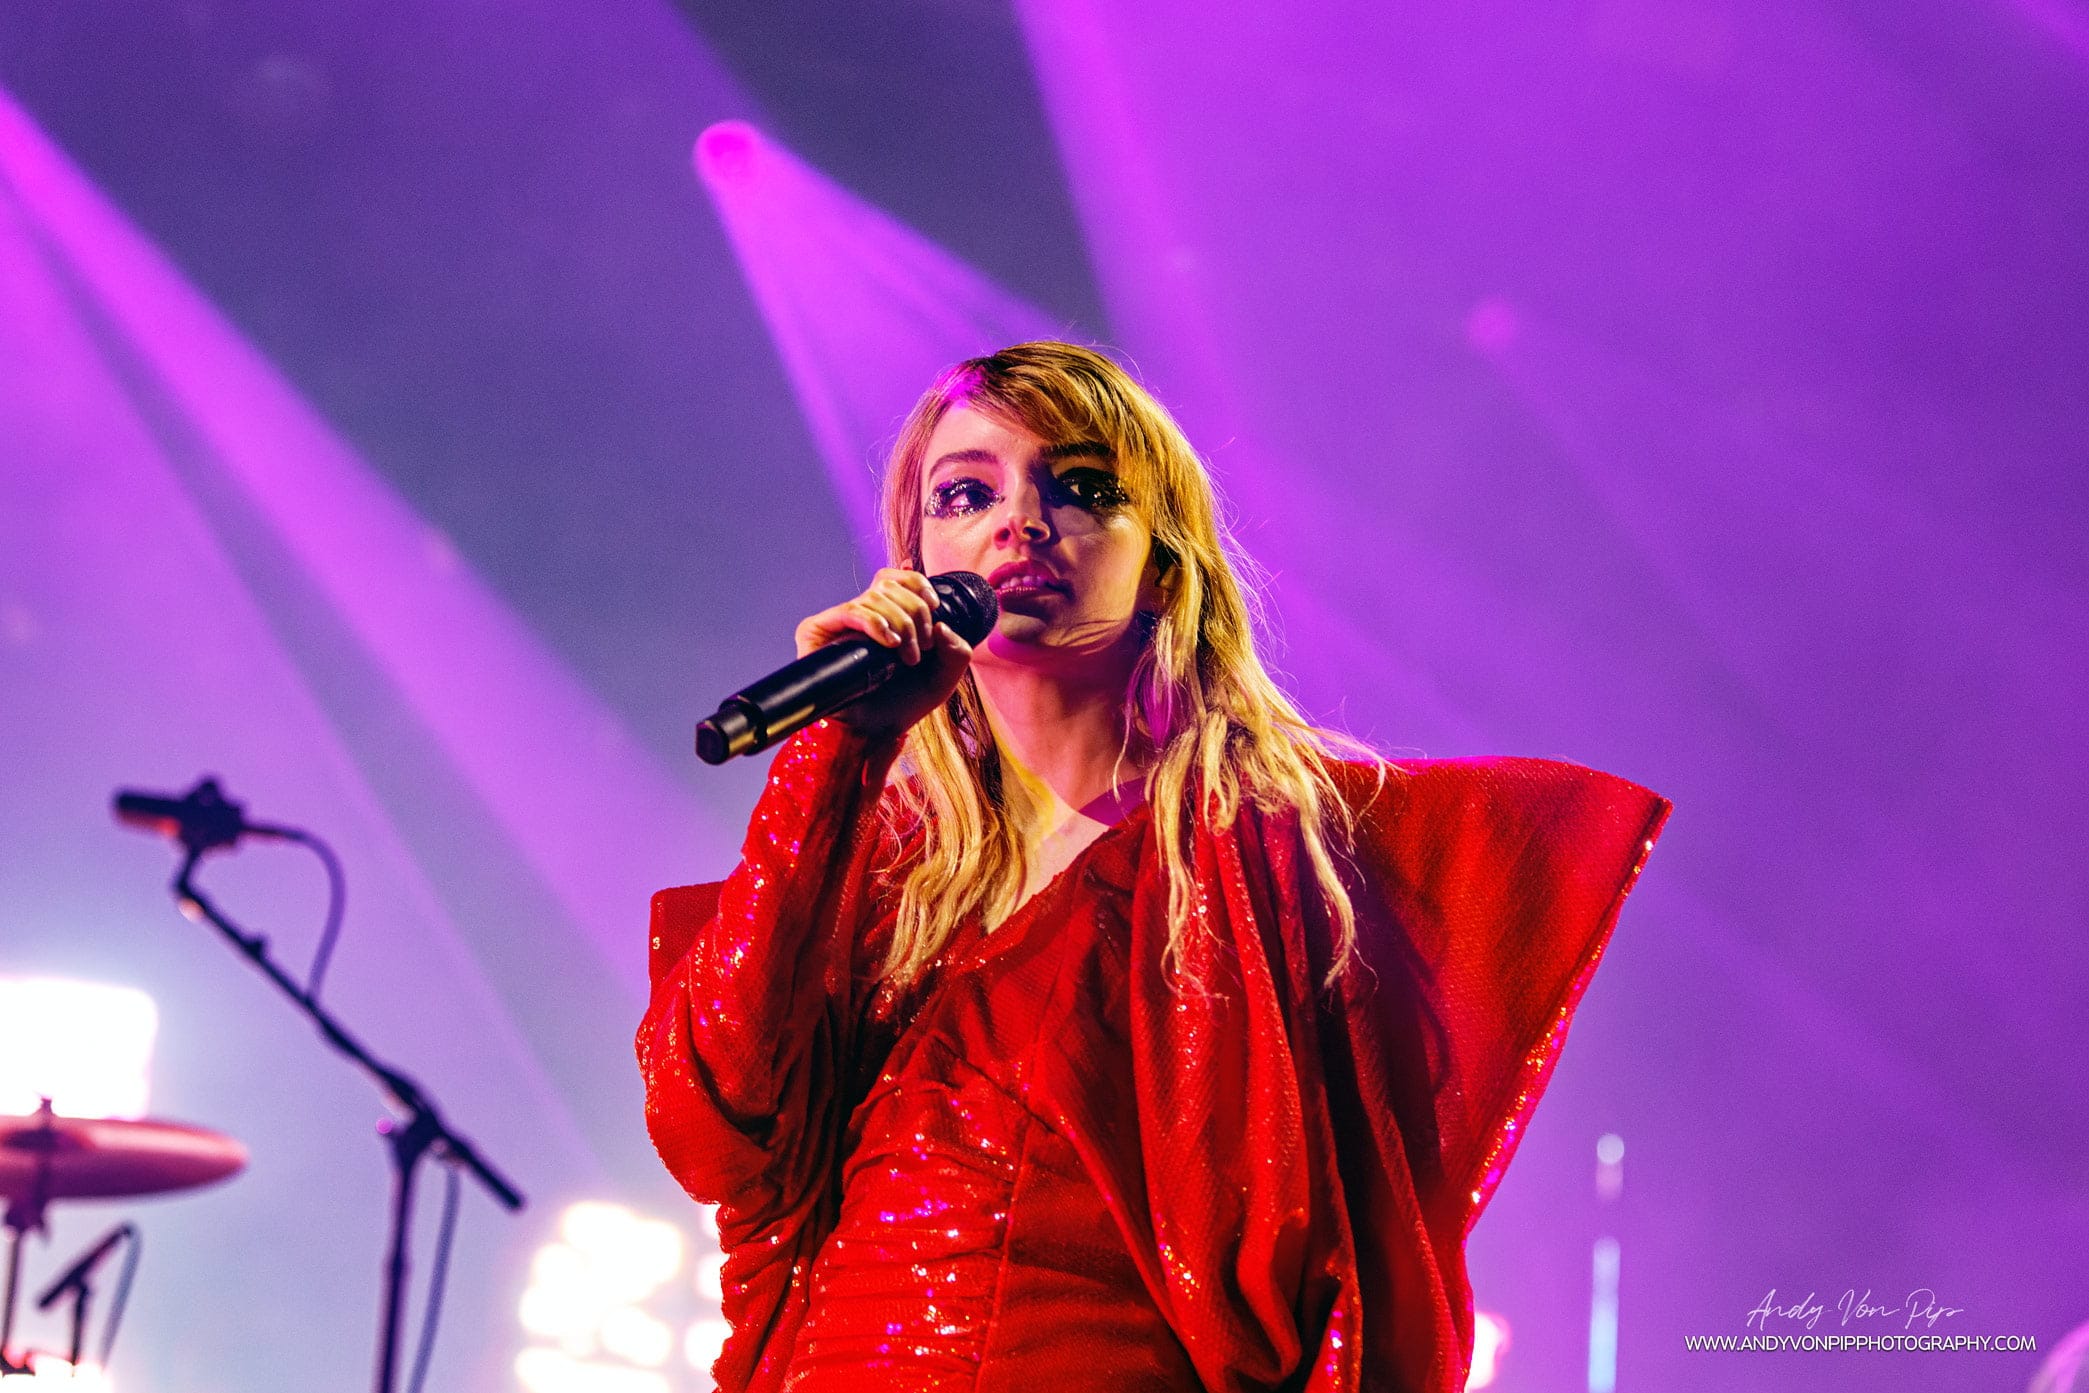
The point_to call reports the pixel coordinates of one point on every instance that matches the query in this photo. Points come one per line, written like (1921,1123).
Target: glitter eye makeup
(958,497)
(1092,490)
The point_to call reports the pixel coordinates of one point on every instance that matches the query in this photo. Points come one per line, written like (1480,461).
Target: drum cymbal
(99,1157)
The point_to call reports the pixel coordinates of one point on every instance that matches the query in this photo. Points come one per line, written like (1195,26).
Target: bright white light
(86,1046)
(701,1345)
(584,1297)
(1490,1340)
(1610,1148)
(49,1372)
(640,1253)
(710,1276)
(1603,1317)
(632,1335)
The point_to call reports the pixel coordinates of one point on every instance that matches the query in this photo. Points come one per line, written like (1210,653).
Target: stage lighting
(605,1312)
(863,309)
(1490,1341)
(48,1371)
(87,1046)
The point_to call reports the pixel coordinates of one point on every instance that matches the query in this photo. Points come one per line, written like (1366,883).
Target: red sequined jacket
(1292,1173)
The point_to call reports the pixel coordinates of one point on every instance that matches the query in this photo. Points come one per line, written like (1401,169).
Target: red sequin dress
(1045,1167)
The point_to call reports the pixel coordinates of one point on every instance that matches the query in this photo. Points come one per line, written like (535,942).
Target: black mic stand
(79,1294)
(409,1141)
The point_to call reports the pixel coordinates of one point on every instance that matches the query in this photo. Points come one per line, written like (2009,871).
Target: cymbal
(101,1157)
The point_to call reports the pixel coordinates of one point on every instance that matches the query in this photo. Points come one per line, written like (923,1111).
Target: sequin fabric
(1046,1166)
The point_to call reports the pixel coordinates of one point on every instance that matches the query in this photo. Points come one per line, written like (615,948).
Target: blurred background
(406,417)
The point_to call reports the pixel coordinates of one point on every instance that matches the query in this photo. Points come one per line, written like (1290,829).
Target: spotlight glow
(548,1371)
(1490,1341)
(604,1311)
(705,1339)
(863,309)
(1603,1318)
(48,1371)
(471,670)
(1610,1165)
(725,151)
(86,1046)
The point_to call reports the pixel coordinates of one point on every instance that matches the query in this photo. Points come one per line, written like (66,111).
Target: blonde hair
(1201,705)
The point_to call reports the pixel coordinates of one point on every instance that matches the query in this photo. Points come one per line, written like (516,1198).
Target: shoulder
(1426,816)
(896,824)
(1477,781)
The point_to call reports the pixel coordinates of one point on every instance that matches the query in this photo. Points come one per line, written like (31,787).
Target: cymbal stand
(25,1215)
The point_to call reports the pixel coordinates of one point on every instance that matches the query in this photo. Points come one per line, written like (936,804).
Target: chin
(1014,631)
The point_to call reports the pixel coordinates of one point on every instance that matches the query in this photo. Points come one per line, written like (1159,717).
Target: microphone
(202,819)
(76,1275)
(829,678)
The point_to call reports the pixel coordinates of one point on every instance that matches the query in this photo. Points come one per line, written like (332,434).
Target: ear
(1163,575)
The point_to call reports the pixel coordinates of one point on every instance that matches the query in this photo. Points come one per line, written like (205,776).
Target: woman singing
(1079,1016)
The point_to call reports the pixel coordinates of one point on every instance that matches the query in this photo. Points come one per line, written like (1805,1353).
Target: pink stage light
(135,651)
(863,310)
(526,735)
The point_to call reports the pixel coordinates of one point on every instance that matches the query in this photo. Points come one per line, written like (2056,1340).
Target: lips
(1019,578)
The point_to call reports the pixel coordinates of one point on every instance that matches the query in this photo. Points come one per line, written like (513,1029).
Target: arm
(1492,889)
(749,1028)
(755,1036)
(744,1042)
(1485,891)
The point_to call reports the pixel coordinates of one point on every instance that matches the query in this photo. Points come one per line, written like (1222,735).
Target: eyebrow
(1053,454)
(1078,449)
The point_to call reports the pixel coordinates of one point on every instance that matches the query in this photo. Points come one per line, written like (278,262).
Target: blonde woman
(1079,1016)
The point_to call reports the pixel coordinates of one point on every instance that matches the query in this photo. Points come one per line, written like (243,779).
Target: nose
(1022,519)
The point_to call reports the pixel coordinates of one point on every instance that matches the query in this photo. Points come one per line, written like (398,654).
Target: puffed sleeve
(1494,886)
(750,1038)
(1485,891)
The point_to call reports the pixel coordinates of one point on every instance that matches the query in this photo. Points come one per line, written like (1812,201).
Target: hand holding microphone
(879,662)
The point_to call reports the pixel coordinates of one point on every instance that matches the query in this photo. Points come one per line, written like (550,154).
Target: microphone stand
(80,1291)
(78,1283)
(410,1140)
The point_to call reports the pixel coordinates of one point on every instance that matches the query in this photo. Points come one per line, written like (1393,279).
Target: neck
(1062,742)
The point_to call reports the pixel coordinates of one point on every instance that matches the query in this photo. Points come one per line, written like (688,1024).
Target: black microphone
(829,678)
(76,1275)
(202,819)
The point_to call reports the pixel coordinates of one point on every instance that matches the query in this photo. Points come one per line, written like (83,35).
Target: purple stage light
(1492,326)
(593,814)
(725,152)
(862,309)
(1680,389)
(138,654)
(141,654)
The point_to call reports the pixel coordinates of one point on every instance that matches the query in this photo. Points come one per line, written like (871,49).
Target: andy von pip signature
(1921,1304)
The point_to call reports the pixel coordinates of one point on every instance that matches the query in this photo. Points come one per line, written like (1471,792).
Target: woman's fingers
(912,594)
(888,622)
(881,614)
(898,611)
